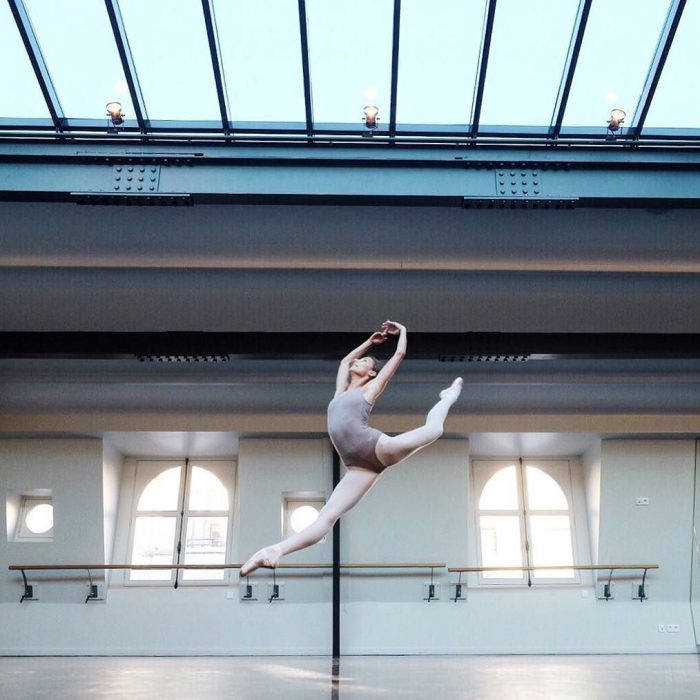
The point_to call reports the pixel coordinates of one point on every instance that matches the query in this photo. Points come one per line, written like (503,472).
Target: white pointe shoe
(453,391)
(268,558)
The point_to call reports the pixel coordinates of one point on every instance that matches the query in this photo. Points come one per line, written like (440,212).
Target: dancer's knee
(434,431)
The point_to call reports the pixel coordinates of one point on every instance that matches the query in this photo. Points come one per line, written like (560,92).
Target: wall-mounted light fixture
(371,116)
(617,118)
(114,112)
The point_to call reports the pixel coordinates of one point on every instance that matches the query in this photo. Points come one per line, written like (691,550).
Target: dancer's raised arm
(377,385)
(343,379)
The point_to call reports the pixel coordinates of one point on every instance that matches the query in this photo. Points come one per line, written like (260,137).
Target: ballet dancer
(366,452)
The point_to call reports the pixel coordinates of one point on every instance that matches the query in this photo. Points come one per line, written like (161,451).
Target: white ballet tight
(358,481)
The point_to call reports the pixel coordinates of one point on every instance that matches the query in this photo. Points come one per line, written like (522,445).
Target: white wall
(419,510)
(591,463)
(72,470)
(112,462)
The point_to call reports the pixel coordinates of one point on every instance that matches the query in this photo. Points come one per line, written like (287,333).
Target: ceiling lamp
(371,116)
(617,117)
(114,112)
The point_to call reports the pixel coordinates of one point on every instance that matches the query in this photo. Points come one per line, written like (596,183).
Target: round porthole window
(39,519)
(302,517)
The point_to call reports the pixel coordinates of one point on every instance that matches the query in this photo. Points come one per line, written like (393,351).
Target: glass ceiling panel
(261,54)
(168,40)
(81,55)
(526,61)
(676,103)
(614,61)
(439,50)
(350,58)
(20,95)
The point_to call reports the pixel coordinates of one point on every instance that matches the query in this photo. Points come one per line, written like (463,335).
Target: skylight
(311,66)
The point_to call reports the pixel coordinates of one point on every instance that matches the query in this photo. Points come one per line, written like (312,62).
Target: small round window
(302,517)
(39,518)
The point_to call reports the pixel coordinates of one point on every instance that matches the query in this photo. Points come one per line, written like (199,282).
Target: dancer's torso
(354,440)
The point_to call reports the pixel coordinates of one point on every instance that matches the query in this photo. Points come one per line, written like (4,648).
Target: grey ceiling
(319,268)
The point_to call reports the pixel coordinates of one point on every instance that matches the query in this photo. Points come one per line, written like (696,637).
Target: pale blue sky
(350,60)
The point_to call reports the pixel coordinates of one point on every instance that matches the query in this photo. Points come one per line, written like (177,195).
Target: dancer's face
(364,367)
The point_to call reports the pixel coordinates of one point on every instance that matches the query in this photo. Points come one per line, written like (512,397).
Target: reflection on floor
(667,677)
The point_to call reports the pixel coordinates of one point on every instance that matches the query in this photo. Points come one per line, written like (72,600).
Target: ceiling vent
(183,358)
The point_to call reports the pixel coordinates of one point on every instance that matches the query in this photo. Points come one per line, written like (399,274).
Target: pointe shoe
(453,391)
(268,558)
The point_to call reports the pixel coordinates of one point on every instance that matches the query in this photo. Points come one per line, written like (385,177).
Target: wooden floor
(657,677)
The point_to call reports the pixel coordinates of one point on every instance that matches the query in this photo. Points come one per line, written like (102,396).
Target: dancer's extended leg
(390,450)
(348,493)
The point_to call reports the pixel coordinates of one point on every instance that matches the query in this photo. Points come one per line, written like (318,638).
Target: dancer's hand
(392,328)
(378,338)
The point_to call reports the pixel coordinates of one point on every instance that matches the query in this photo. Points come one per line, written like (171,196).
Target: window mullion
(522,486)
(184,488)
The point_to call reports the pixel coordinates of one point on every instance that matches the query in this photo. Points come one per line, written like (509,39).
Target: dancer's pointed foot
(268,558)
(453,391)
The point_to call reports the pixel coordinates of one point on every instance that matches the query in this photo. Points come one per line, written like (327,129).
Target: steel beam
(394,66)
(128,65)
(304,37)
(483,67)
(216,63)
(41,71)
(584,9)
(445,347)
(657,65)
(499,178)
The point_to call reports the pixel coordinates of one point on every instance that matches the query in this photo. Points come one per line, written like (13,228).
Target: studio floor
(306,678)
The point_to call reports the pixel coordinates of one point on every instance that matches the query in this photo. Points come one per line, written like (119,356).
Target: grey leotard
(354,440)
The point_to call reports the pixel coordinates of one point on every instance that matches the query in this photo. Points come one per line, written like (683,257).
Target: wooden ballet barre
(607,588)
(575,567)
(28,593)
(154,567)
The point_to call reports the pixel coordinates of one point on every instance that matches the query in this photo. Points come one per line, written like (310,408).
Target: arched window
(524,519)
(183,506)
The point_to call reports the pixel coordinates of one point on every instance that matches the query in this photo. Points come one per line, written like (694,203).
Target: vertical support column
(336,566)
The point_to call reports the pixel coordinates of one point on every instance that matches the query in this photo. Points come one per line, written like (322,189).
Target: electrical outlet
(660,628)
(641,501)
(673,628)
(248,591)
(431,591)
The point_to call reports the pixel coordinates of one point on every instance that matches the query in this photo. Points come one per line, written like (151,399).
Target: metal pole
(336,566)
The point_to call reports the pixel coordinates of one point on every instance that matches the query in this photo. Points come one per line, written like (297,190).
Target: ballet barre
(28,593)
(607,587)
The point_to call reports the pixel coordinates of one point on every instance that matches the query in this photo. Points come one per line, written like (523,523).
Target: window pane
(205,544)
(161,492)
(349,58)
(206,491)
(303,516)
(168,40)
(20,95)
(78,46)
(39,519)
(543,492)
(526,61)
(501,544)
(439,50)
(261,54)
(154,543)
(551,545)
(614,60)
(501,491)
(676,102)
